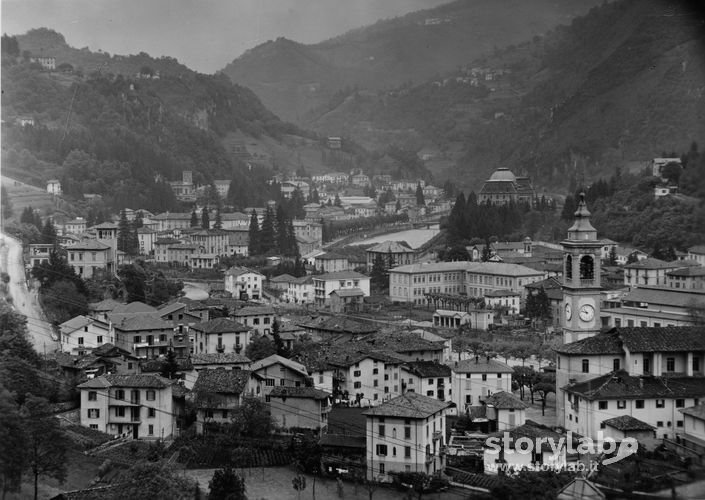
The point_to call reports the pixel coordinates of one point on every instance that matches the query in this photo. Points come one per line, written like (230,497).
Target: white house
(243,283)
(324,284)
(429,378)
(219,335)
(82,334)
(259,319)
(405,434)
(140,406)
(475,379)
(506,410)
(277,371)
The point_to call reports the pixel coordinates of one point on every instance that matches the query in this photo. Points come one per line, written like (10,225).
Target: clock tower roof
(582,229)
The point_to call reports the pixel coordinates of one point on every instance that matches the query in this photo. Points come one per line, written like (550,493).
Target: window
(224,414)
(615,364)
(659,423)
(680,403)
(381,451)
(602,405)
(381,467)
(270,382)
(429,393)
(679,423)
(94,426)
(282,381)
(407,452)
(137,339)
(93,413)
(357,385)
(660,403)
(622,404)
(484,377)
(80,340)
(696,364)
(92,396)
(639,404)
(151,412)
(499,375)
(357,373)
(151,395)
(586,366)
(99,339)
(407,432)
(603,425)
(375,383)
(120,411)
(670,364)
(119,394)
(266,321)
(375,371)
(162,338)
(151,430)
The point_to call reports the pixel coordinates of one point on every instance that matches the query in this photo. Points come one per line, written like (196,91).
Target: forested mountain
(120,135)
(616,86)
(292,78)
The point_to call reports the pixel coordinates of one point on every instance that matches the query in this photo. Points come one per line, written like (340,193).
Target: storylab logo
(611,450)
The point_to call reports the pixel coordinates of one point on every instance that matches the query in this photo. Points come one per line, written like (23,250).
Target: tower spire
(582,229)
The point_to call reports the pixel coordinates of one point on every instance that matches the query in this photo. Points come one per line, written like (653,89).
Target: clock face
(568,311)
(587,312)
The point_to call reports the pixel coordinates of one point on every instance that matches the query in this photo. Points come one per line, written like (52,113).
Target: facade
(508,299)
(300,407)
(410,283)
(235,221)
(82,334)
(476,379)
(692,437)
(39,253)
(506,410)
(429,378)
(518,458)
(239,242)
(219,393)
(75,226)
(392,253)
(687,278)
(656,307)
(278,371)
(90,257)
(405,434)
(330,262)
(697,253)
(649,362)
(258,319)
(147,335)
(243,283)
(137,406)
(172,220)
(503,187)
(346,300)
(146,238)
(54,187)
(325,284)
(648,272)
(219,335)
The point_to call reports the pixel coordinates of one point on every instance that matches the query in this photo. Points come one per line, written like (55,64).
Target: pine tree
(218,219)
(378,274)
(267,233)
(49,232)
(254,246)
(194,218)
(205,219)
(419,195)
(124,230)
(281,230)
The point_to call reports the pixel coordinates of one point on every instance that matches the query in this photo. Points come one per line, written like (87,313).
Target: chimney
(641,382)
(488,358)
(477,359)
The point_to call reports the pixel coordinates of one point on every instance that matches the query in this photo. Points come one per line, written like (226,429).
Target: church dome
(503,174)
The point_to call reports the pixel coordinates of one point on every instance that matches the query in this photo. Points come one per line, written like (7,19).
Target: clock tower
(581,278)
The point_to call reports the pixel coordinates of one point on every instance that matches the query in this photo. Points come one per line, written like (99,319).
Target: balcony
(437,435)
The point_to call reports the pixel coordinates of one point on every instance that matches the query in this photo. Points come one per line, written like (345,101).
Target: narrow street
(25,300)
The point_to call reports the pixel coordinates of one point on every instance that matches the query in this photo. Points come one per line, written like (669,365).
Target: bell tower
(581,278)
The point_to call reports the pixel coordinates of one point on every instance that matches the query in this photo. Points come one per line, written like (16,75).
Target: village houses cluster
(632,363)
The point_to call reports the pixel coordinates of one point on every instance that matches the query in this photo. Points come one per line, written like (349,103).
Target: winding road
(24,299)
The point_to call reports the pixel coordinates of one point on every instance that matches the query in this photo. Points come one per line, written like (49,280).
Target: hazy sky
(203,34)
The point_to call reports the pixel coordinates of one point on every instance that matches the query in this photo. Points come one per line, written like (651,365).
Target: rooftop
(481,365)
(652,263)
(220,325)
(640,339)
(141,380)
(253,311)
(299,392)
(628,423)
(408,405)
(503,400)
(238,271)
(89,245)
(392,247)
(340,275)
(219,358)
(427,369)
(222,381)
(620,384)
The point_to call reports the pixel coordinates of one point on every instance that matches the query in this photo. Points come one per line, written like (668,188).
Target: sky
(203,34)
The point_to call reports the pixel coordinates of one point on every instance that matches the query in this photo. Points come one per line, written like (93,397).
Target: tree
(419,195)
(612,256)
(152,480)
(14,441)
(672,172)
(252,418)
(378,274)
(194,218)
(47,444)
(268,232)
(226,485)
(49,232)
(337,201)
(253,246)
(170,365)
(632,257)
(546,384)
(260,348)
(218,219)
(62,301)
(205,218)
(278,342)
(127,235)
(538,305)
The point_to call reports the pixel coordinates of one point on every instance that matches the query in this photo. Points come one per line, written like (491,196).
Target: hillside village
(190,307)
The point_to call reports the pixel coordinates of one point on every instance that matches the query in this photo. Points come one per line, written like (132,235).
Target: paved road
(25,300)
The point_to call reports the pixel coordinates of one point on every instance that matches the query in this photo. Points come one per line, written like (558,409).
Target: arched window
(587,268)
(569,267)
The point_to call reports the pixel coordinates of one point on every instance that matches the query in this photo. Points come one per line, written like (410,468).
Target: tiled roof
(219,358)
(665,296)
(628,423)
(237,271)
(339,324)
(172,216)
(340,275)
(170,308)
(687,271)
(531,430)
(502,293)
(392,247)
(481,365)
(697,249)
(89,245)
(496,268)
(582,489)
(134,307)
(130,322)
(222,381)
(75,323)
(620,384)
(697,411)
(408,405)
(640,339)
(111,351)
(299,392)
(104,305)
(220,325)
(276,359)
(140,380)
(503,400)
(282,278)
(253,311)
(426,369)
(400,341)
(651,263)
(331,256)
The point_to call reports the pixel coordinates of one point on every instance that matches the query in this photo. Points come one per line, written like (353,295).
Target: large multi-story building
(89,257)
(243,283)
(503,187)
(324,284)
(475,379)
(410,283)
(392,253)
(219,335)
(405,434)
